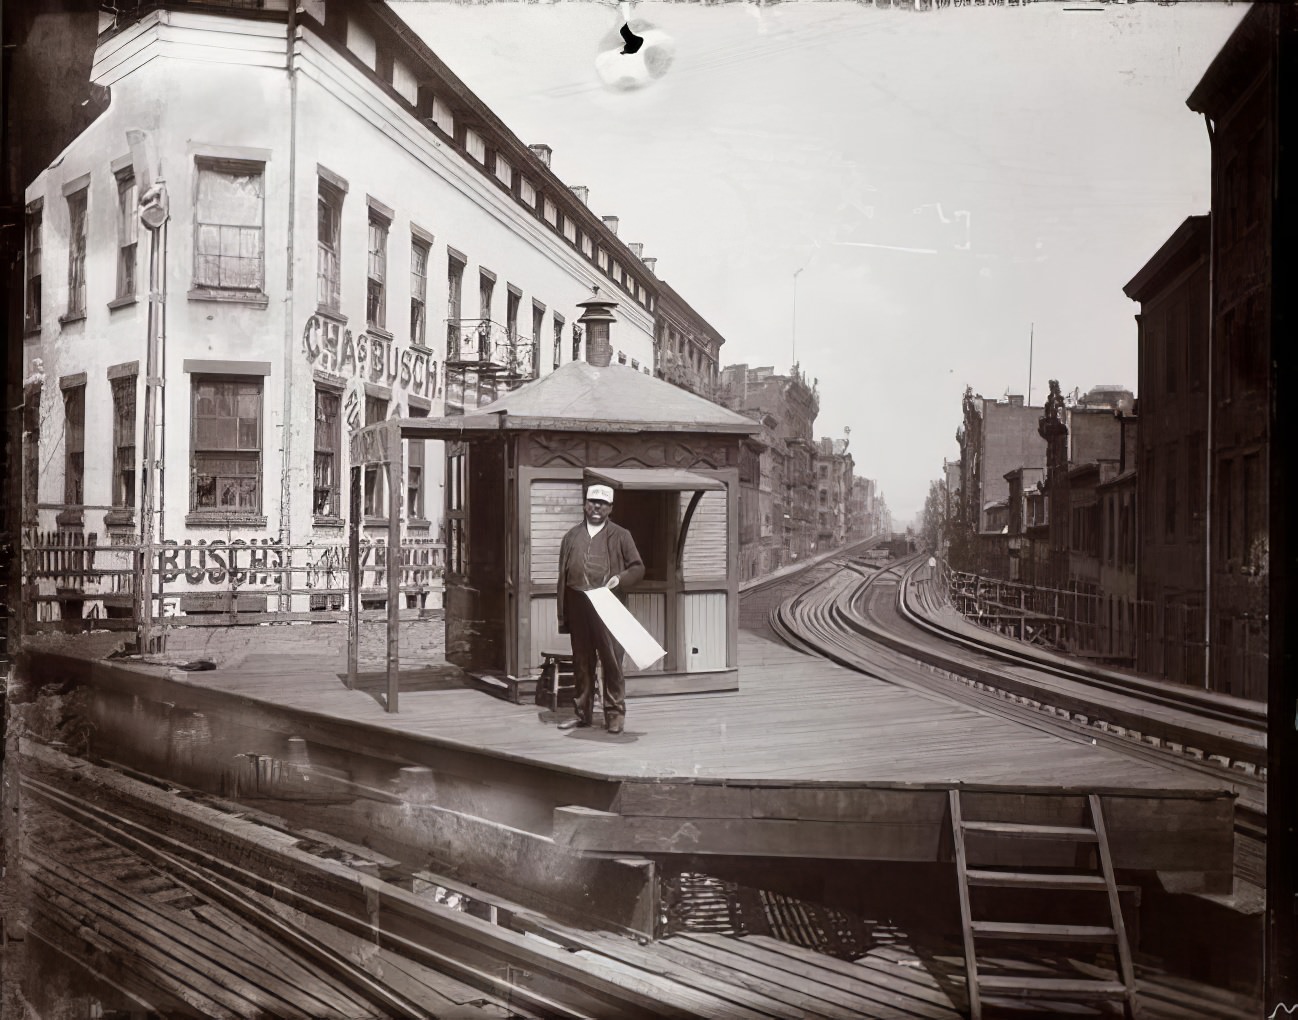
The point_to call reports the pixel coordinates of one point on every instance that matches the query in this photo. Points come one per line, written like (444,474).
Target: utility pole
(154,211)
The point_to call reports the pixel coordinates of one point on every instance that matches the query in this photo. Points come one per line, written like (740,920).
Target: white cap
(604,492)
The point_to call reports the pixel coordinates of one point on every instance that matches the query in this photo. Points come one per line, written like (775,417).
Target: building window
(1169,495)
(376,410)
(454,295)
(362,44)
(443,117)
(527,192)
(128,224)
(405,83)
(226,444)
(32,260)
(124,442)
(475,146)
(551,213)
(1253,504)
(1227,543)
(228,216)
(511,314)
(486,290)
(587,246)
(328,444)
(419,251)
(538,321)
(31,450)
(74,445)
(415,470)
(602,260)
(329,214)
(504,172)
(570,229)
(558,339)
(376,304)
(77,253)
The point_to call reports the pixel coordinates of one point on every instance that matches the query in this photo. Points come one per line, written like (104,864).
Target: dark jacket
(624,559)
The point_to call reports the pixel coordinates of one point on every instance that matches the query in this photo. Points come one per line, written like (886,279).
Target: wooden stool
(556,674)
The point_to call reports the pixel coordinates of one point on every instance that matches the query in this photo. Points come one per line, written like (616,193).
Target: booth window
(652,516)
(328,442)
(124,442)
(228,218)
(128,224)
(77,254)
(418,290)
(74,444)
(376,410)
(33,266)
(376,303)
(456,538)
(226,444)
(329,213)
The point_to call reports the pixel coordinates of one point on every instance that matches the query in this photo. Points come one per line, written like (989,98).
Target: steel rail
(1190,698)
(816,619)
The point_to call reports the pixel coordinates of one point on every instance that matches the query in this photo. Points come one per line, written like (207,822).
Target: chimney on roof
(543,152)
(637,249)
(650,264)
(1016,400)
(582,192)
(596,318)
(611,223)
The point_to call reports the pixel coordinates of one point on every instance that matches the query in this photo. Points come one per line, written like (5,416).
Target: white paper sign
(637,642)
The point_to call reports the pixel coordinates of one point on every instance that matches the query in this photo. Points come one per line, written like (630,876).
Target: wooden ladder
(976,931)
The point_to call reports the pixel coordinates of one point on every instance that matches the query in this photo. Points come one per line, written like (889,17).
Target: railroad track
(854,617)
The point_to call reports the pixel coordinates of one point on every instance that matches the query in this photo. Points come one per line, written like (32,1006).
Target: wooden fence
(73,581)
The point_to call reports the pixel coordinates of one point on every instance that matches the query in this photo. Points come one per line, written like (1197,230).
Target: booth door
(706,576)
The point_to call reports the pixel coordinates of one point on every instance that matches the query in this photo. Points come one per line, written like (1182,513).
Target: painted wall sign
(255,562)
(330,347)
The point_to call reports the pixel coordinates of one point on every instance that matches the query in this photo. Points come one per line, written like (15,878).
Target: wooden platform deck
(806,759)
(794,719)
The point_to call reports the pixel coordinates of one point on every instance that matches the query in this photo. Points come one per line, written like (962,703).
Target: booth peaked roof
(580,392)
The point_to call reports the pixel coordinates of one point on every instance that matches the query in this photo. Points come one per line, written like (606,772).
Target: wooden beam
(354,575)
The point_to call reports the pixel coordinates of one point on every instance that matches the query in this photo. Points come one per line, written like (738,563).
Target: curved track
(859,617)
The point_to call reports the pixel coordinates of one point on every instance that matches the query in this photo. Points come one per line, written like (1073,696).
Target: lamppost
(154,211)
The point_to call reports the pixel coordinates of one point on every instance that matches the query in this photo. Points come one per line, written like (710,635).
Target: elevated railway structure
(813,787)
(891,623)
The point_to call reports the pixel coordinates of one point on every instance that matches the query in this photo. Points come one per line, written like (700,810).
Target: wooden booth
(516,470)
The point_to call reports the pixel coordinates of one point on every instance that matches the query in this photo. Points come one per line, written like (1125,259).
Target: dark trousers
(590,638)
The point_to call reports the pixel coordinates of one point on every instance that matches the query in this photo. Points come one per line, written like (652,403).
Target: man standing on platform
(595,554)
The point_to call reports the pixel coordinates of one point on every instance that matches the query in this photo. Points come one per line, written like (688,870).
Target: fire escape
(484,360)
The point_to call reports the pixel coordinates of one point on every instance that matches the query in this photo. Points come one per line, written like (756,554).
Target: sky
(904,203)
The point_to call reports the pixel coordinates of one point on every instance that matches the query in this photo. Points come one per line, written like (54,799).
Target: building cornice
(320,63)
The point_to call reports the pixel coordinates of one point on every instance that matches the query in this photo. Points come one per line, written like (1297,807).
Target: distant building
(1237,96)
(1028,546)
(995,438)
(834,467)
(1096,429)
(792,405)
(1172,456)
(1118,569)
